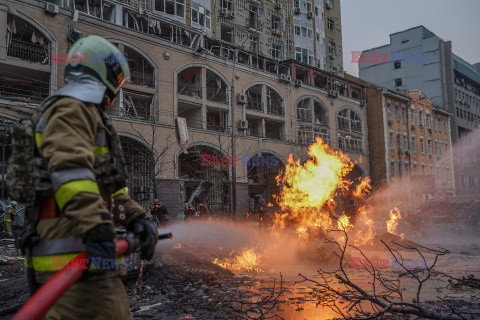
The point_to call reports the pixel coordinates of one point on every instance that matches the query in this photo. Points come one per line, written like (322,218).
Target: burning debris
(247,260)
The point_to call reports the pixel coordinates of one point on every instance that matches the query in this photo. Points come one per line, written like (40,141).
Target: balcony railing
(28,51)
(189,89)
(142,79)
(217,95)
(24,94)
(255,104)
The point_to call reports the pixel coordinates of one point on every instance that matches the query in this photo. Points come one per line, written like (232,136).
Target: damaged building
(183,64)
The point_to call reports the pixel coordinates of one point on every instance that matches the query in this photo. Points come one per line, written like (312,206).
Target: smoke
(210,239)
(426,200)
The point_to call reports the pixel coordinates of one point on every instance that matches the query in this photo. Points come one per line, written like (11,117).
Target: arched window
(204,172)
(193,84)
(349,127)
(261,172)
(264,99)
(312,117)
(133,101)
(141,170)
(18,81)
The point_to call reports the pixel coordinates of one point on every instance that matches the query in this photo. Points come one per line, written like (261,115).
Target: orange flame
(393,222)
(248,260)
(308,190)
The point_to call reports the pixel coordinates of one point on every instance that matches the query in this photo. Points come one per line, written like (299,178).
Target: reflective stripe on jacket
(69,136)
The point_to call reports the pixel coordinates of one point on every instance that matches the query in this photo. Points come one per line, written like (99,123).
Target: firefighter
(262,213)
(9,216)
(159,212)
(85,162)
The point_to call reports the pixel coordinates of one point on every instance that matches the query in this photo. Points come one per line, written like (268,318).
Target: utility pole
(233,181)
(4,145)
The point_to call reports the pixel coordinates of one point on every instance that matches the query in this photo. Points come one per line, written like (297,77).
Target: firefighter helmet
(102,58)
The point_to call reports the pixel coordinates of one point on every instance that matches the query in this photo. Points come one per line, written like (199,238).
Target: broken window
(304,134)
(320,80)
(141,72)
(216,88)
(25,42)
(320,113)
(227,33)
(192,112)
(254,44)
(217,119)
(172,7)
(349,130)
(141,168)
(255,126)
(133,104)
(274,103)
(302,74)
(276,24)
(253,17)
(254,98)
(22,84)
(227,4)
(189,82)
(109,12)
(276,51)
(90,7)
(304,110)
(205,179)
(274,129)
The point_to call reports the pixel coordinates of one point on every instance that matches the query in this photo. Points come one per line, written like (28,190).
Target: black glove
(100,244)
(145,230)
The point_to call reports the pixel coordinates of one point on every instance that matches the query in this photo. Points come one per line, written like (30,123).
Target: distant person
(159,212)
(203,211)
(9,216)
(190,212)
(262,213)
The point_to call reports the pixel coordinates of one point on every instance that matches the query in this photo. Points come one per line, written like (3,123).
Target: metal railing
(142,79)
(189,89)
(217,95)
(31,97)
(254,104)
(28,51)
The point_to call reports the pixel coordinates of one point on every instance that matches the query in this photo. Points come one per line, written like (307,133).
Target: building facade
(409,139)
(333,36)
(418,59)
(277,107)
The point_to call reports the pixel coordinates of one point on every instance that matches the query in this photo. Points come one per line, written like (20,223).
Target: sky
(368,24)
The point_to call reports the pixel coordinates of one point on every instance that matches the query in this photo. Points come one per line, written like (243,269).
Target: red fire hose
(52,290)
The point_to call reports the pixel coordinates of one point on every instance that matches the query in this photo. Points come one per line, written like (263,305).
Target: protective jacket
(82,155)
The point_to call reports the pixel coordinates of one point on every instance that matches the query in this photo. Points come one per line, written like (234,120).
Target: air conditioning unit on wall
(51,8)
(243,124)
(241,98)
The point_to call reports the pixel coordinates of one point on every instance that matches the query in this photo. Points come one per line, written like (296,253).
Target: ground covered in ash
(182,282)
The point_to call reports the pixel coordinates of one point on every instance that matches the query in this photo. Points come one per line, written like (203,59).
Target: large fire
(308,190)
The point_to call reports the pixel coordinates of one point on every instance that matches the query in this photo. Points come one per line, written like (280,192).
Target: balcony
(255,104)
(217,95)
(189,89)
(142,79)
(31,86)
(28,51)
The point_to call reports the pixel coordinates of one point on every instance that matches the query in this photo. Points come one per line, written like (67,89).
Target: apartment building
(278,107)
(416,58)
(409,139)
(332,17)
